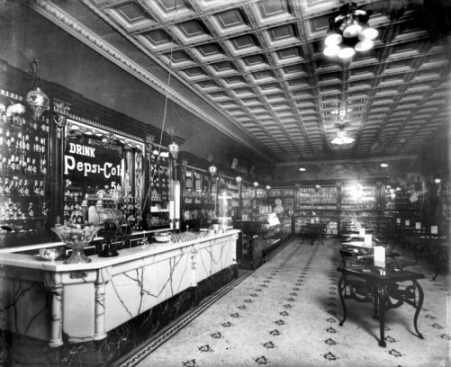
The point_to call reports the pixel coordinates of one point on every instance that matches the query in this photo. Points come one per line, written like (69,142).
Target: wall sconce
(437,180)
(268,187)
(255,184)
(238,180)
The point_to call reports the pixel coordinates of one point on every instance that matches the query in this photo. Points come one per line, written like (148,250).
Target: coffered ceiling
(258,66)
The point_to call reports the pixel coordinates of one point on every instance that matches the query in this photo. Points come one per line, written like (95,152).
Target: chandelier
(349,32)
(341,138)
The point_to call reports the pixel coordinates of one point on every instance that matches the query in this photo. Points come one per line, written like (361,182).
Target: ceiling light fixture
(349,32)
(302,169)
(384,165)
(341,138)
(341,112)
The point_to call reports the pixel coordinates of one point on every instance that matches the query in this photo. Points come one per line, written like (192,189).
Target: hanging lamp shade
(212,169)
(346,53)
(174,149)
(38,101)
(349,32)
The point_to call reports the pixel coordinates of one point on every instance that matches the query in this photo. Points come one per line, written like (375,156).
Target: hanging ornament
(173,147)
(36,98)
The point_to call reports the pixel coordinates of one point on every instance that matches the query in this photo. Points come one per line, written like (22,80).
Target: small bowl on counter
(52,253)
(163,237)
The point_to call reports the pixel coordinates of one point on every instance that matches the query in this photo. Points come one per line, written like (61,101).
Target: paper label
(379,256)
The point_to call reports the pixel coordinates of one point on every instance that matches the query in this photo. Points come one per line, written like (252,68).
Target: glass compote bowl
(76,237)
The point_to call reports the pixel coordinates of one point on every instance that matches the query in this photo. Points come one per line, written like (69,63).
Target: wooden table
(365,283)
(313,231)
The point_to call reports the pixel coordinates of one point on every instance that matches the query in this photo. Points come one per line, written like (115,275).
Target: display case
(362,202)
(198,193)
(282,200)
(317,204)
(159,182)
(24,166)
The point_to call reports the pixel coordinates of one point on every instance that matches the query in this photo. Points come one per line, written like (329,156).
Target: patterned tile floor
(286,313)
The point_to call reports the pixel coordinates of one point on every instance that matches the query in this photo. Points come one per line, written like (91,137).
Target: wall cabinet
(339,204)
(24,168)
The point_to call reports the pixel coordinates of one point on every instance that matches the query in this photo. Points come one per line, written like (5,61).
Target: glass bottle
(43,166)
(26,188)
(12,163)
(36,187)
(41,188)
(27,143)
(34,168)
(7,188)
(30,210)
(42,145)
(20,188)
(37,147)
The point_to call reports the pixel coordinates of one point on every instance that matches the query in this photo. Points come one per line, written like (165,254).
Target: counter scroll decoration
(76,237)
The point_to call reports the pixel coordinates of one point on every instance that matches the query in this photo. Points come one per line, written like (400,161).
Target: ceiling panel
(260,65)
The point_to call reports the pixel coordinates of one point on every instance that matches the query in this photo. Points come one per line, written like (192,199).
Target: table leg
(341,290)
(418,308)
(376,302)
(382,291)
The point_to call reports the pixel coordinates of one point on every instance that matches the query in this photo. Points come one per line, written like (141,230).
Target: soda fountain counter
(82,302)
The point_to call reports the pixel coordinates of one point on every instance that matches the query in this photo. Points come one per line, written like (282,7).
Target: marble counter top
(59,243)
(36,262)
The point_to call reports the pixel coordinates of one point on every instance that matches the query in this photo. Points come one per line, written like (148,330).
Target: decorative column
(339,187)
(148,182)
(60,114)
(240,199)
(103,277)
(53,282)
(194,251)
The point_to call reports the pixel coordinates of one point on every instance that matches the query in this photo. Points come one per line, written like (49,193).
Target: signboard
(89,164)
